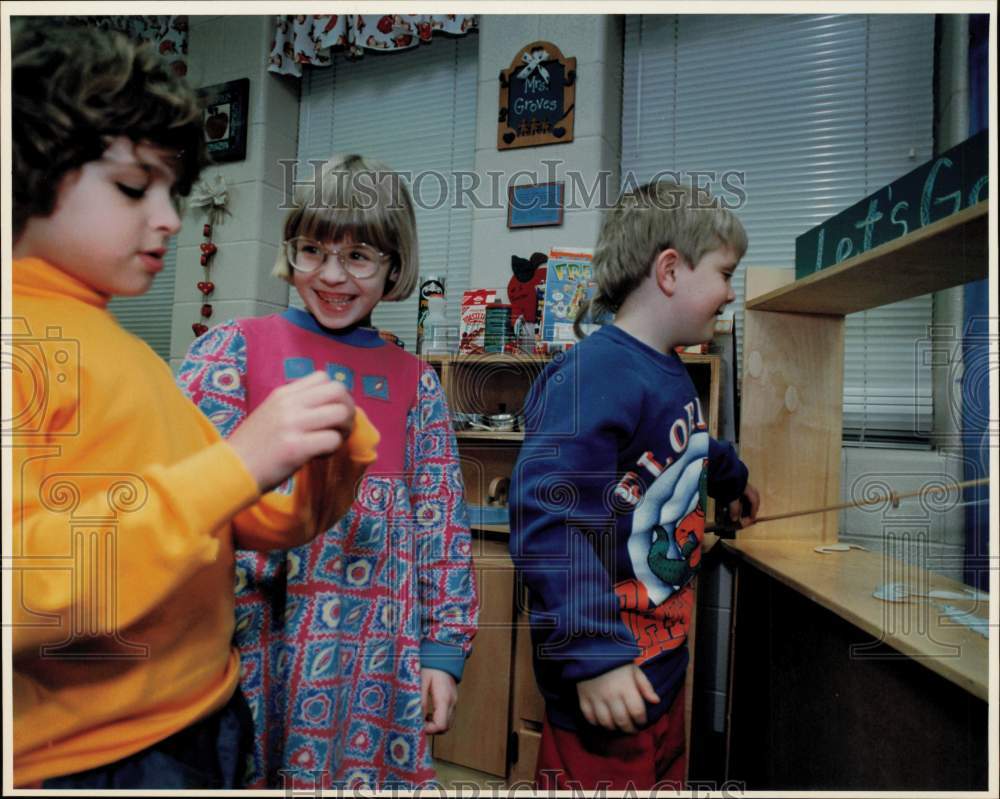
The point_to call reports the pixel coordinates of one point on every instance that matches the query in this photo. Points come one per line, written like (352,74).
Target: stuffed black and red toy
(528,273)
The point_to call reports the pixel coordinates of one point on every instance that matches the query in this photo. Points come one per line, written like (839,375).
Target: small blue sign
(535,205)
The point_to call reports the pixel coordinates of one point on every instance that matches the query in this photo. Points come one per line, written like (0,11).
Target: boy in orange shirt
(127,504)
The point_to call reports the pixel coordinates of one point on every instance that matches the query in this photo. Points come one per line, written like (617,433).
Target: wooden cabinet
(832,688)
(498,723)
(480,732)
(480,737)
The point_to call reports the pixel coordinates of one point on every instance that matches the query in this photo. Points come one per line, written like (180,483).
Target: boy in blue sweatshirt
(608,496)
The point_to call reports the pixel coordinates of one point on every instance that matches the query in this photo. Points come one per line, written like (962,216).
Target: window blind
(415,111)
(816,112)
(150,315)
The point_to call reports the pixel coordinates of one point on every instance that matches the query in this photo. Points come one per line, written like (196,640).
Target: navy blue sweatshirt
(607,515)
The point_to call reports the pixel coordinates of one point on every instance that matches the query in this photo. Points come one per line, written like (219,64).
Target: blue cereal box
(569,282)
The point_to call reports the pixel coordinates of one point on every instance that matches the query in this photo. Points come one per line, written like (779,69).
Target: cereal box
(569,282)
(473,325)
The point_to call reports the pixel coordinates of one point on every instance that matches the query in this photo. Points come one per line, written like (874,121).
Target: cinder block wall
(596,43)
(224,48)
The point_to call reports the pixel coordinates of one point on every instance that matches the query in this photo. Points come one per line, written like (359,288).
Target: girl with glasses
(352,646)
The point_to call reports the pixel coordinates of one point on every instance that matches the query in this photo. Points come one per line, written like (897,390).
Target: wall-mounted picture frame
(535,204)
(226,116)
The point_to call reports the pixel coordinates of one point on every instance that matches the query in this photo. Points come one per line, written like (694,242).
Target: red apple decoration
(216,125)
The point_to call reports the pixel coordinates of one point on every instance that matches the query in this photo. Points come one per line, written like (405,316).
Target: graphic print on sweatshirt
(664,544)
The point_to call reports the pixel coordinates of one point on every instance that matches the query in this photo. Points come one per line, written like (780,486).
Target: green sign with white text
(943,186)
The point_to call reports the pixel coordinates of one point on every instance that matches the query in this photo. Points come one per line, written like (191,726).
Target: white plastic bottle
(436,332)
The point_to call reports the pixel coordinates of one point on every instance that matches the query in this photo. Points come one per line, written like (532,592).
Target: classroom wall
(929,533)
(596,43)
(952,128)
(224,48)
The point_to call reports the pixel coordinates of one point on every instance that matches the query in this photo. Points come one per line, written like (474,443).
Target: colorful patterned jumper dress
(332,634)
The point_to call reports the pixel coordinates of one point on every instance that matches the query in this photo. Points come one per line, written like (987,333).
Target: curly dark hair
(74,87)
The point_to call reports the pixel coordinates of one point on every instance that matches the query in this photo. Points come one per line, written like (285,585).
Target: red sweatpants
(654,757)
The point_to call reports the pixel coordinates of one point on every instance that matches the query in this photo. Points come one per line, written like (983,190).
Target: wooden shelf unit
(790,438)
(833,690)
(480,737)
(793,362)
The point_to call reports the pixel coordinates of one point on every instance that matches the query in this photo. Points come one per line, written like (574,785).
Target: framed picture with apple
(226,115)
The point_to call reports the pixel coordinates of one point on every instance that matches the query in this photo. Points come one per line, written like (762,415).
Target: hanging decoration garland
(212,198)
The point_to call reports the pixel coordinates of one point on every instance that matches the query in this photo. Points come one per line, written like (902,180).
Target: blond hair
(646,221)
(363,199)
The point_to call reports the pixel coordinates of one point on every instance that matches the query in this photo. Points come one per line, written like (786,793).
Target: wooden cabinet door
(479,734)
(529,708)
(523,771)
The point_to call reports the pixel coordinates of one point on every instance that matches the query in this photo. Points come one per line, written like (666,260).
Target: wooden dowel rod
(893,498)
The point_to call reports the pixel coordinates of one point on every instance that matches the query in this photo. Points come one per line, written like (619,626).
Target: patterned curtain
(168,33)
(306,39)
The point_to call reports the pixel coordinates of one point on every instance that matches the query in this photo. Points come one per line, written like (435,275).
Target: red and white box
(472,335)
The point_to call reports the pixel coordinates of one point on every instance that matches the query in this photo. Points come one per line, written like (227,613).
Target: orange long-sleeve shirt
(126,509)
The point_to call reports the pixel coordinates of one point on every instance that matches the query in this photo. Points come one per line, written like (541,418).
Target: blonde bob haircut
(366,200)
(644,222)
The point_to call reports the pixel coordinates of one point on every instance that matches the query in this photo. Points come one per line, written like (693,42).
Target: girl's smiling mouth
(335,299)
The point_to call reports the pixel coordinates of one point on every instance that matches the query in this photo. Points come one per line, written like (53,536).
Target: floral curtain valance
(311,39)
(168,34)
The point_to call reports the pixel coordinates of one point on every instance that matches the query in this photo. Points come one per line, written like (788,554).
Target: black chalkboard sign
(537,98)
(945,185)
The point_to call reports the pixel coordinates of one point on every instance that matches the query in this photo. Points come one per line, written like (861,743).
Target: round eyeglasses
(358,260)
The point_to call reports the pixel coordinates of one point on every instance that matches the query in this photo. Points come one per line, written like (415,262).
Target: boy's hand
(749,502)
(614,700)
(438,695)
(298,421)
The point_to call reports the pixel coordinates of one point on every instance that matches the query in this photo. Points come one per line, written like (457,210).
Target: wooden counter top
(844,582)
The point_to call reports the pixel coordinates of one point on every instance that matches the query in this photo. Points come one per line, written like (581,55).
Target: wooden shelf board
(488,435)
(843,582)
(491,528)
(465,359)
(946,253)
(700,357)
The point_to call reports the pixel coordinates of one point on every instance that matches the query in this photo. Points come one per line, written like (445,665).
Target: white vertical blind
(150,315)
(817,111)
(415,111)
